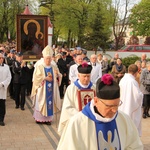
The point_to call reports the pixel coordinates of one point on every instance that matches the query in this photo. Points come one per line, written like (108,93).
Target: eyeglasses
(112,106)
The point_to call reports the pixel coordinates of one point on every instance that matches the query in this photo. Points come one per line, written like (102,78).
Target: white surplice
(132,98)
(96,73)
(5,80)
(80,133)
(73,73)
(70,106)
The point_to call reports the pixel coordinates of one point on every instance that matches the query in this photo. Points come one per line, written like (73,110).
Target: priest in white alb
(5,78)
(100,126)
(70,104)
(131,96)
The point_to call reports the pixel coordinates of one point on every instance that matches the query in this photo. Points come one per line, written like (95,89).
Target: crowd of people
(54,82)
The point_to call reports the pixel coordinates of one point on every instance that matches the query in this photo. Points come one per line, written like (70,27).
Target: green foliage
(75,20)
(129,60)
(72,20)
(8,11)
(99,35)
(139,18)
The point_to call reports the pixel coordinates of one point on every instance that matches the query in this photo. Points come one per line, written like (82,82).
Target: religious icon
(32,35)
(49,74)
(85,96)
(33,39)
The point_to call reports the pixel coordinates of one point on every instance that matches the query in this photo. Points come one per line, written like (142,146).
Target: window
(146,47)
(124,47)
(131,48)
(138,47)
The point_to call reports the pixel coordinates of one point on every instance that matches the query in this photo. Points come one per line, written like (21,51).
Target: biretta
(84,68)
(107,88)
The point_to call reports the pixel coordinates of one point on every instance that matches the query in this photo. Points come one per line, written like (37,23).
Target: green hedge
(131,60)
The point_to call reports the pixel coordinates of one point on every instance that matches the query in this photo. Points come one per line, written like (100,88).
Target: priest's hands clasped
(49,78)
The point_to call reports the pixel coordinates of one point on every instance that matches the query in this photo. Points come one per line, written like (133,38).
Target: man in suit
(20,79)
(63,65)
(10,59)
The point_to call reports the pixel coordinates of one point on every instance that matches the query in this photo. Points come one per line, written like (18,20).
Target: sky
(121,4)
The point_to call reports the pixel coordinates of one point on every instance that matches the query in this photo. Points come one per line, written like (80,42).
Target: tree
(2,21)
(139,18)
(147,40)
(8,11)
(133,40)
(98,37)
(120,13)
(74,19)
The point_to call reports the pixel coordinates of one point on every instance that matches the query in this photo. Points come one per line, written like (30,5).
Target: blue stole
(49,92)
(107,132)
(80,87)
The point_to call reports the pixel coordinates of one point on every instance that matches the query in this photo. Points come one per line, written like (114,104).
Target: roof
(49,23)
(27,11)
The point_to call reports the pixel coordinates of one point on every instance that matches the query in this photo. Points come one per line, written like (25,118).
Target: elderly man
(113,61)
(96,69)
(45,92)
(73,72)
(4,82)
(70,104)
(100,125)
(143,57)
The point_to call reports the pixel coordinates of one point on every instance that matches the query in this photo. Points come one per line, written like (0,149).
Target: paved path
(22,133)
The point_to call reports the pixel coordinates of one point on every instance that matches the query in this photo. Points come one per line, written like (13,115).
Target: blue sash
(49,92)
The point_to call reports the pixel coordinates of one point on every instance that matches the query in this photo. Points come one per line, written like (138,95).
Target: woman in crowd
(118,70)
(138,63)
(145,88)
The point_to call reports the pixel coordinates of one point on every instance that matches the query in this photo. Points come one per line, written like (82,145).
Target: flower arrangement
(107,79)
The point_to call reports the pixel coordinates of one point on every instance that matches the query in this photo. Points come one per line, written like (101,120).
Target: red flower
(84,64)
(107,79)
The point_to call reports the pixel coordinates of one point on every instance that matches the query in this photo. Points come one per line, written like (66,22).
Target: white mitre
(47,51)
